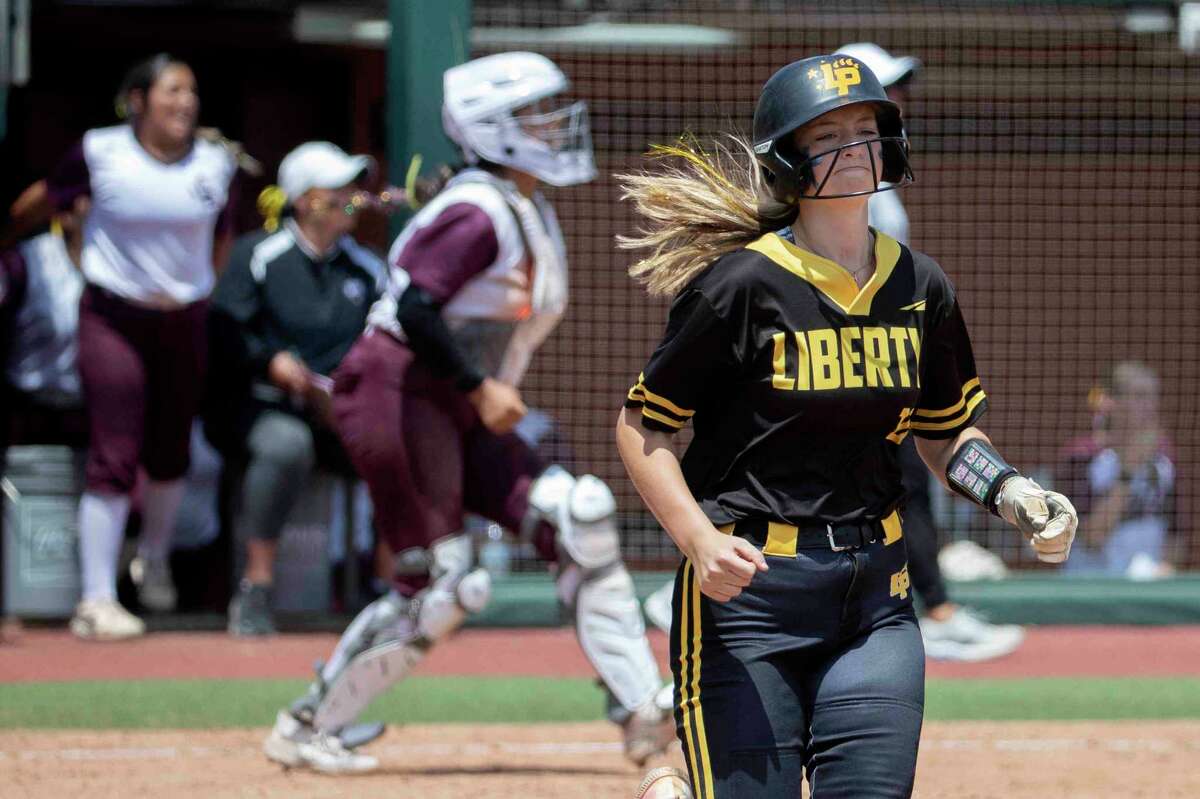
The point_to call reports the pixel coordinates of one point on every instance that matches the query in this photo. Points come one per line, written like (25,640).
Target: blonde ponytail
(699,207)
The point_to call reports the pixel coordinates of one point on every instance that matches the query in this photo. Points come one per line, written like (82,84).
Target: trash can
(41,488)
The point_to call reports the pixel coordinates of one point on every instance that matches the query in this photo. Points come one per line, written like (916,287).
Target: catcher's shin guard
(594,585)
(390,636)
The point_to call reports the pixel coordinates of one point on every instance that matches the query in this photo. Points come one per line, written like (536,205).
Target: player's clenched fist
(1047,518)
(499,405)
(725,564)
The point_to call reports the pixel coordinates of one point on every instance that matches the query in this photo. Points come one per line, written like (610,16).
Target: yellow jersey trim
(658,417)
(955,408)
(660,400)
(832,279)
(956,421)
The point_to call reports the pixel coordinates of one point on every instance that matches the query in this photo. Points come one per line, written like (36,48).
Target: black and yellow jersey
(800,386)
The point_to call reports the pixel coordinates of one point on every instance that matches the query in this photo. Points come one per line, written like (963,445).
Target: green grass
(252,703)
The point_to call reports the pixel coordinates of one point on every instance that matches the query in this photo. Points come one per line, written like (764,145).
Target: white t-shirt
(149,236)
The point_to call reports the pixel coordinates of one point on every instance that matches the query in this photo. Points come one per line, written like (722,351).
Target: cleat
(294,744)
(155,588)
(967,638)
(105,620)
(250,611)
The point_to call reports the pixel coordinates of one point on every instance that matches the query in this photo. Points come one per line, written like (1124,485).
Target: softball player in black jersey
(804,347)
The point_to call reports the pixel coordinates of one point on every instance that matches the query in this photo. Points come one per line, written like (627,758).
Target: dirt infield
(959,760)
(964,760)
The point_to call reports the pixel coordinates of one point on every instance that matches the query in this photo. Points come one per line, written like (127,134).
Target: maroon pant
(142,372)
(421,448)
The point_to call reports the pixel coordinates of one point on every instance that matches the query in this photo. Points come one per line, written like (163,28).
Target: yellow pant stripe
(781,540)
(704,778)
(685,701)
(891,528)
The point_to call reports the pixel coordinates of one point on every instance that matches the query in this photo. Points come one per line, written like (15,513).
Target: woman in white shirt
(158,224)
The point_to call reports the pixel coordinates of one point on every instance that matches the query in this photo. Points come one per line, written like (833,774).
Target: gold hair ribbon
(410,182)
(271,202)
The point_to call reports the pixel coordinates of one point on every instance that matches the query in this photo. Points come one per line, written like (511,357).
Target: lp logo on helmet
(841,75)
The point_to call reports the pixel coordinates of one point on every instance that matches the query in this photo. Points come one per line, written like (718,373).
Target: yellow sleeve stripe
(658,417)
(957,421)
(663,401)
(636,394)
(967,388)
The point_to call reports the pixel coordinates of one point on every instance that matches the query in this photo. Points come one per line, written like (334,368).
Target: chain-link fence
(1057,168)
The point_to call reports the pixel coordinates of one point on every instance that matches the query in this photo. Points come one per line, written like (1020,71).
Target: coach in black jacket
(284,313)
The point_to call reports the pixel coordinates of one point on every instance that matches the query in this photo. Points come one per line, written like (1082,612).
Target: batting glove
(1046,518)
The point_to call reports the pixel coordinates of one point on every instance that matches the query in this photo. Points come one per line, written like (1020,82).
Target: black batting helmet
(803,91)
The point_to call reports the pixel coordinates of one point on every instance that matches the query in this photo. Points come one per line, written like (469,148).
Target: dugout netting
(1058,167)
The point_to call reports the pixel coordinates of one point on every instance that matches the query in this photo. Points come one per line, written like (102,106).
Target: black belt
(837,537)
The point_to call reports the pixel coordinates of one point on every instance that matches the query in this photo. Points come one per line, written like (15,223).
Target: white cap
(887,67)
(319,165)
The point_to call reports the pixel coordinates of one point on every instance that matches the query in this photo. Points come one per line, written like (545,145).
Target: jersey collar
(831,279)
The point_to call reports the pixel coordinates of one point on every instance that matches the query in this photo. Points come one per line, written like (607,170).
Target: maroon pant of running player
(142,371)
(424,453)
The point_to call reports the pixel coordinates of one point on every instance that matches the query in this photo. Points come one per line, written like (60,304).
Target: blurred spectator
(284,313)
(40,285)
(1123,479)
(157,225)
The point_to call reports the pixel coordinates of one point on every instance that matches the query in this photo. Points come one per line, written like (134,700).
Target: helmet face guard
(805,90)
(791,172)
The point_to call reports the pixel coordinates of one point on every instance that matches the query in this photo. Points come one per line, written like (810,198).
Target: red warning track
(54,655)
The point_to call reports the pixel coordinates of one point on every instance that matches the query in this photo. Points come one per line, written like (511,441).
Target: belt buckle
(833,544)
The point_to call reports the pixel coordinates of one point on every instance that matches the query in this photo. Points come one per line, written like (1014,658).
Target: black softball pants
(815,671)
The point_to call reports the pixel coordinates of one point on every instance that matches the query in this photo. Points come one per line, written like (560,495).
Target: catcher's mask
(803,91)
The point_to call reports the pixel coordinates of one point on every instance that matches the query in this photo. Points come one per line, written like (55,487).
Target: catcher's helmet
(803,91)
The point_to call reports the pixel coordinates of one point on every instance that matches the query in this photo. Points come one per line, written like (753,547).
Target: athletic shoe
(665,783)
(294,744)
(650,729)
(155,589)
(658,607)
(250,611)
(963,561)
(968,638)
(105,620)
